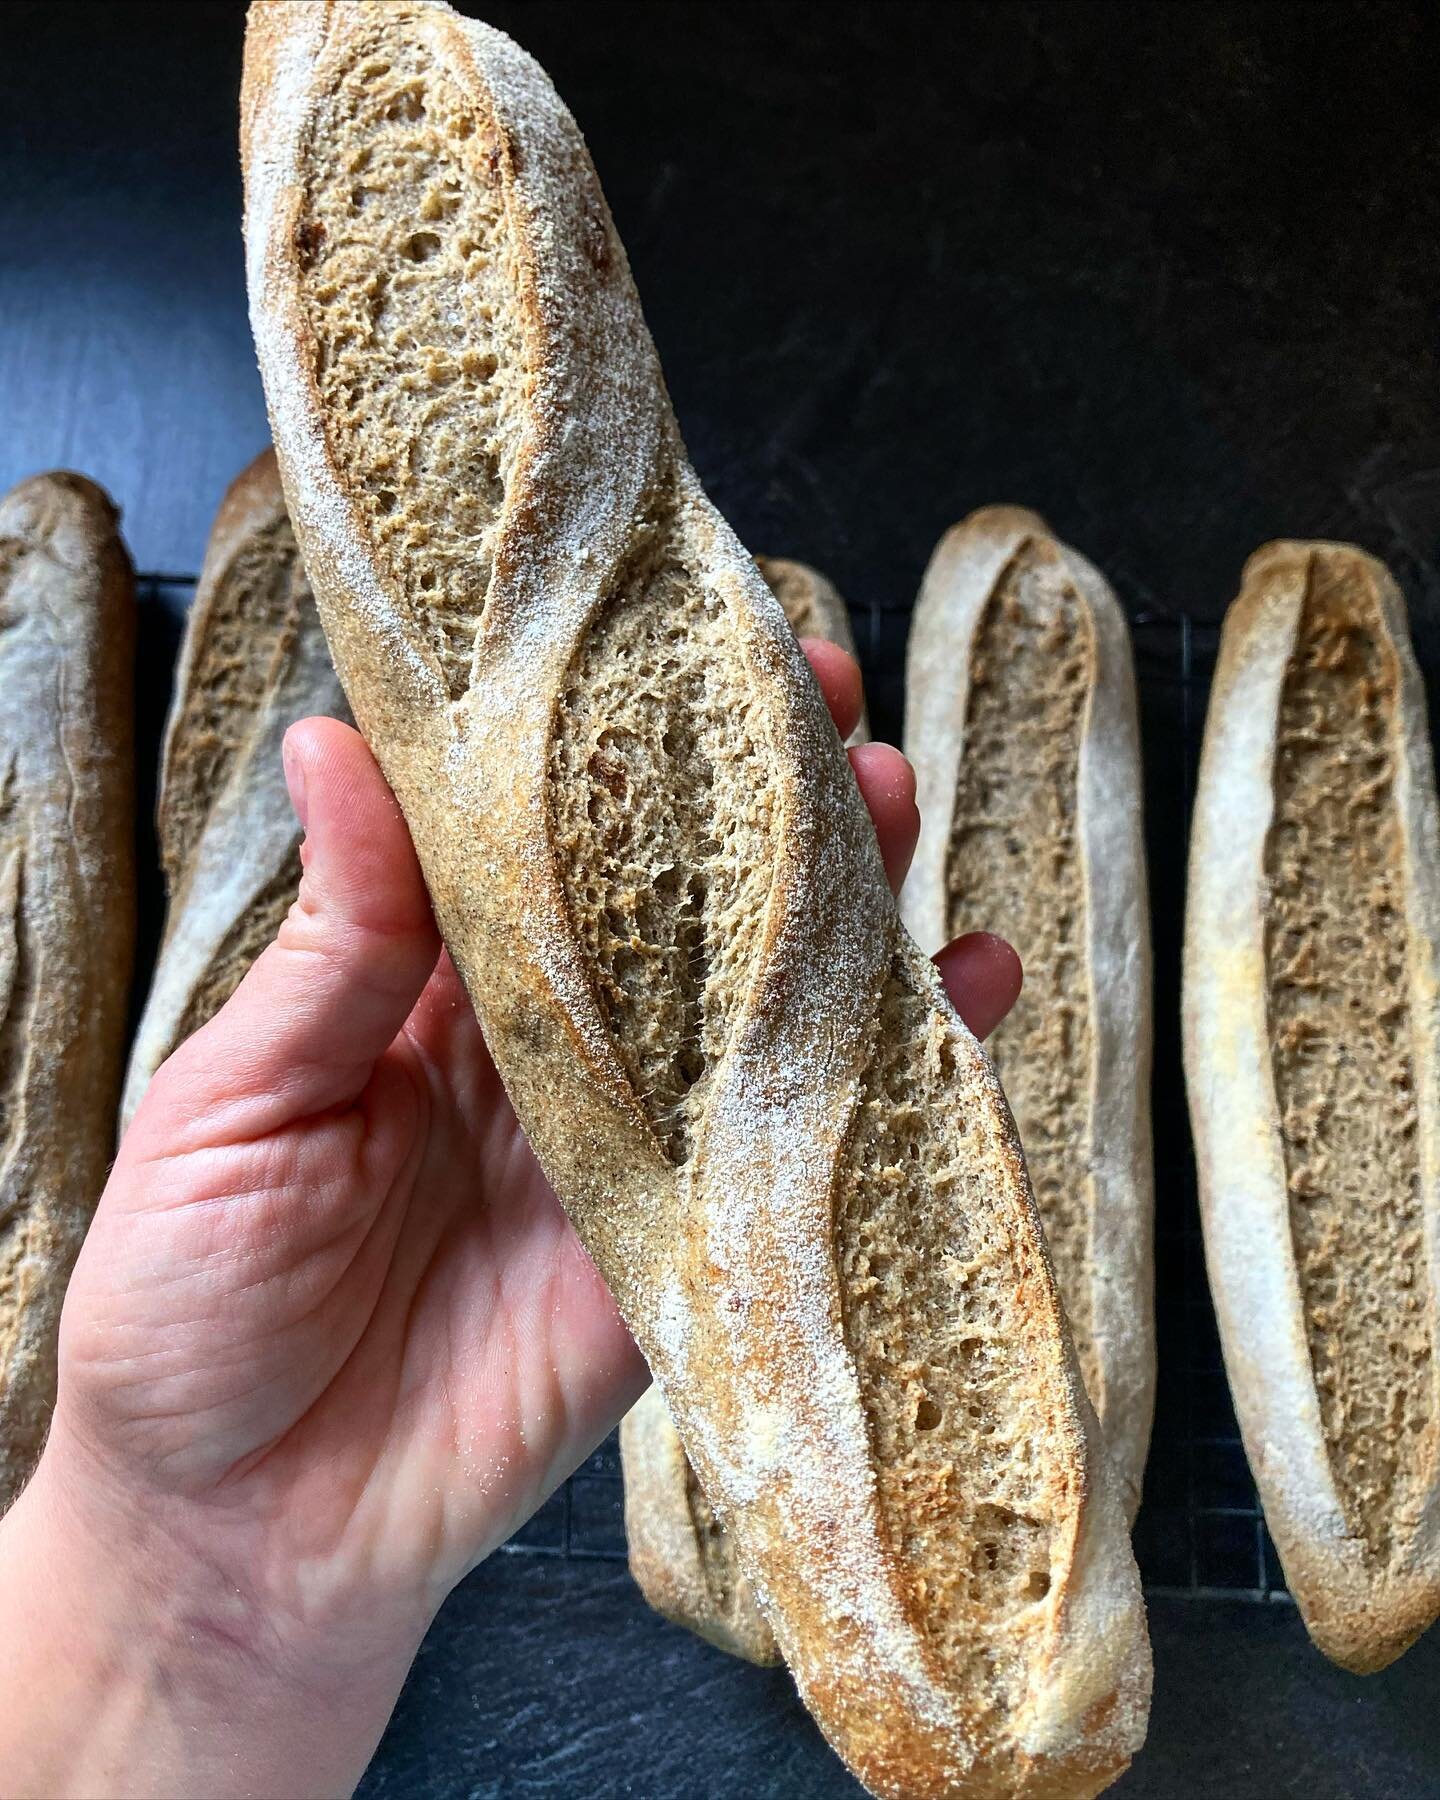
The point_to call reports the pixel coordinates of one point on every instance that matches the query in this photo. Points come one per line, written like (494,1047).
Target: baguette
(812,608)
(254,660)
(1022,725)
(1312,949)
(683,1559)
(654,872)
(681,1556)
(67,913)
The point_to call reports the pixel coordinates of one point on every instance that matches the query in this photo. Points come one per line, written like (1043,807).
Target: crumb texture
(1343,1057)
(941,1283)
(663,818)
(406,273)
(249,636)
(1014,866)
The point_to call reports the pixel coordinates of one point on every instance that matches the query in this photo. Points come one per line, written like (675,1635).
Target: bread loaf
(254,660)
(680,1555)
(1312,951)
(813,609)
(67,912)
(651,864)
(1021,722)
(683,1560)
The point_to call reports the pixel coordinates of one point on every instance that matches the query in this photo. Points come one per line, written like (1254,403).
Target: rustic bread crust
(1361,1609)
(253,661)
(67,912)
(813,608)
(714,1228)
(967,570)
(682,1558)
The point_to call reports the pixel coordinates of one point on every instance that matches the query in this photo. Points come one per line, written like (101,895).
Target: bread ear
(683,1559)
(685,1562)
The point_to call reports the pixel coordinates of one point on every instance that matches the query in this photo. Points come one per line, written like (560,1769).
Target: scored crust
(1310,1012)
(67,912)
(785,1153)
(681,1556)
(253,661)
(1022,725)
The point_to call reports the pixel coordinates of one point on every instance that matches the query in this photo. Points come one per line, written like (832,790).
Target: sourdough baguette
(1312,939)
(254,660)
(67,912)
(653,869)
(683,1559)
(1021,722)
(812,608)
(681,1556)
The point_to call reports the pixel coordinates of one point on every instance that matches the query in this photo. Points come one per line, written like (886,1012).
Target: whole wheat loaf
(1021,722)
(67,912)
(649,859)
(1312,1041)
(254,660)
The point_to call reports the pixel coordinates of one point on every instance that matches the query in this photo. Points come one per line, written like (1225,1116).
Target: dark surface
(596,1696)
(1165,272)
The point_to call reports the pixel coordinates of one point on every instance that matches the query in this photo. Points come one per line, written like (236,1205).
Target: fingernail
(295,781)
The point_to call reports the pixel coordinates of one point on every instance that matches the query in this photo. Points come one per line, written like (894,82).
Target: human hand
(331,1337)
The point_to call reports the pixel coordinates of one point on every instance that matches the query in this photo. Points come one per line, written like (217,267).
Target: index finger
(839,676)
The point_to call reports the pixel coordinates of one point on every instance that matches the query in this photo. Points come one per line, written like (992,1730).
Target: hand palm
(330,1320)
(414,1324)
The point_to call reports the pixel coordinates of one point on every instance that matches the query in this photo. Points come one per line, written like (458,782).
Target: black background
(1165,272)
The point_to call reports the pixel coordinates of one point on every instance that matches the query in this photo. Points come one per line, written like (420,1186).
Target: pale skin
(330,1341)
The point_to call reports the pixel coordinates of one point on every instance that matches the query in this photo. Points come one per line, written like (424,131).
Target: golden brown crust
(1022,725)
(712,1225)
(1316,1129)
(253,661)
(67,904)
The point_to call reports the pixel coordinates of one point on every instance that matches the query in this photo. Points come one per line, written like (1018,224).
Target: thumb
(303,1031)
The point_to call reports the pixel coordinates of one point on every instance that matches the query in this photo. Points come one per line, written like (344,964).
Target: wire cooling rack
(1200,1531)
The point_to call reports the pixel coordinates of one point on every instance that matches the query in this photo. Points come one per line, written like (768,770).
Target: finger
(839,676)
(982,975)
(887,786)
(305,1028)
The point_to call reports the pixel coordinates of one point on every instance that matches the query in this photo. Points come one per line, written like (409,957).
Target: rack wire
(1200,1531)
